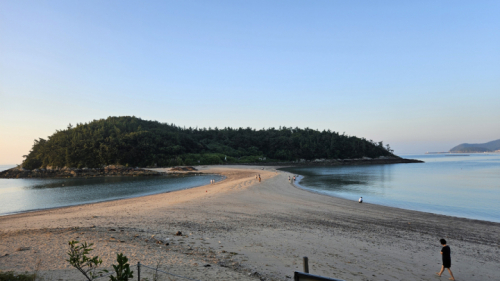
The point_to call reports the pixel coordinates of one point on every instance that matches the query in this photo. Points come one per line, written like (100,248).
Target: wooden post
(138,271)
(296,276)
(306,265)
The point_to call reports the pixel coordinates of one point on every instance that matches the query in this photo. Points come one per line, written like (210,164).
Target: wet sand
(246,230)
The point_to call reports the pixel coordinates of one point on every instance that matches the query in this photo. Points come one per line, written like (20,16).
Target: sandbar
(243,229)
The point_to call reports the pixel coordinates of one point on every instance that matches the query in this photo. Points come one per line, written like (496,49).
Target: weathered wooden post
(306,265)
(138,271)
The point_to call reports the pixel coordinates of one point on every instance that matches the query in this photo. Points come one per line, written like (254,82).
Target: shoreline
(108,200)
(270,225)
(396,207)
(117,170)
(279,168)
(109,171)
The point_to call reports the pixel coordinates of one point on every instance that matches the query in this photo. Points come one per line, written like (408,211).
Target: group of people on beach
(212,181)
(257,177)
(292,178)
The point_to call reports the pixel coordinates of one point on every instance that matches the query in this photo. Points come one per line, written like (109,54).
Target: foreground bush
(12,276)
(79,258)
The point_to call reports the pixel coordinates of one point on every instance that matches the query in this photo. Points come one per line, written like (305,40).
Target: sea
(24,195)
(456,185)
(466,185)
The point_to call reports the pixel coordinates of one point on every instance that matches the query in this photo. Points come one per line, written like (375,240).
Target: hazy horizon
(420,76)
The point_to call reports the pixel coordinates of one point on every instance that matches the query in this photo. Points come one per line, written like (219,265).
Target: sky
(419,75)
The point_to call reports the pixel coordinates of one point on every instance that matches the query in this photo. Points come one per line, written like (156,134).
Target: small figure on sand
(446,256)
(360,200)
(259,178)
(289,179)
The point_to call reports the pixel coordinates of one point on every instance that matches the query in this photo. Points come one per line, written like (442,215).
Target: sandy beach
(242,229)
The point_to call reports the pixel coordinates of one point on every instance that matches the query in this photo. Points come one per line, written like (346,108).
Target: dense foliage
(132,141)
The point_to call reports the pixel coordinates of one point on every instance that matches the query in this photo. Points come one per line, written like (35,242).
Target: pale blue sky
(419,75)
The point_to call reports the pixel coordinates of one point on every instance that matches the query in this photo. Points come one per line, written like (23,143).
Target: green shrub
(122,269)
(12,276)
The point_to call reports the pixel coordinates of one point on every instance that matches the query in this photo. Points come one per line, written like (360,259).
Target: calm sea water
(22,195)
(461,186)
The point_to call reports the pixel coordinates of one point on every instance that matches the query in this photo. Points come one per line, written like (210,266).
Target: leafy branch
(122,269)
(79,259)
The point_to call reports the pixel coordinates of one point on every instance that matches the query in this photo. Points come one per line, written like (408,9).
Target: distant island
(492,146)
(133,142)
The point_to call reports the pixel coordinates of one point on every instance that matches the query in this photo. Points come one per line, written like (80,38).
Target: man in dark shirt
(446,255)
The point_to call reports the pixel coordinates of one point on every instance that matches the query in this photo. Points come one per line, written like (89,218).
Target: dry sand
(246,230)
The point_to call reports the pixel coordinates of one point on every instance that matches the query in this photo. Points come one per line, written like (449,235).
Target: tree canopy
(131,141)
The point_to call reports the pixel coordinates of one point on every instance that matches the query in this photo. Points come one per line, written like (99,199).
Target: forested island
(133,142)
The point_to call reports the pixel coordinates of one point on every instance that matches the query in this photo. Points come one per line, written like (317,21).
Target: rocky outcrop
(81,173)
(181,169)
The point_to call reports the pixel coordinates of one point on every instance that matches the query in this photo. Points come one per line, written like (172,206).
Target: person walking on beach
(446,256)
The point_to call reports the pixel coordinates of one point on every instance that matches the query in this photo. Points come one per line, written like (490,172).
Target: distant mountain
(477,147)
(469,149)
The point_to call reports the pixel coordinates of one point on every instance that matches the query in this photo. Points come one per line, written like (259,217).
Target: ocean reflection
(359,179)
(21,195)
(464,186)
